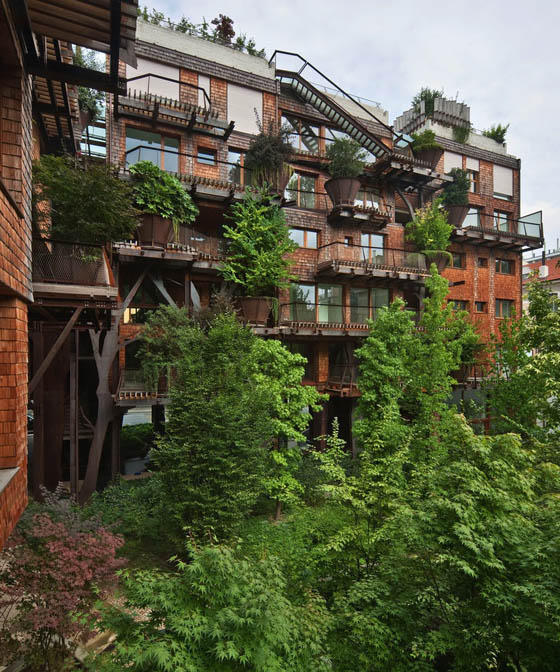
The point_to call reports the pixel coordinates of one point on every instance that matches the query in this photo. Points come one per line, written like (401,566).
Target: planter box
(431,156)
(256,309)
(456,214)
(155,231)
(343,190)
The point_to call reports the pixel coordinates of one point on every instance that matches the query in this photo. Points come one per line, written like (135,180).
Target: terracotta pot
(440,259)
(155,231)
(343,190)
(456,214)
(85,118)
(256,309)
(431,156)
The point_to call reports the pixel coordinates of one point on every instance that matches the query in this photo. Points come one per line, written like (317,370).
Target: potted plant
(90,101)
(430,232)
(165,204)
(256,262)
(425,147)
(347,161)
(455,197)
(267,158)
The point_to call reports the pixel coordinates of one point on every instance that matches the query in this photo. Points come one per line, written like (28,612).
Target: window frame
(499,266)
(501,216)
(484,305)
(369,247)
(464,304)
(289,119)
(305,231)
(499,314)
(484,259)
(162,149)
(474,177)
(302,195)
(461,256)
(210,151)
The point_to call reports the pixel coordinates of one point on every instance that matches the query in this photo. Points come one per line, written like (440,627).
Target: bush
(457,192)
(347,158)
(429,230)
(57,561)
(424,140)
(268,154)
(136,440)
(497,132)
(428,96)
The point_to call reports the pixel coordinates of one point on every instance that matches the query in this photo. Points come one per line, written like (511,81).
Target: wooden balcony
(516,235)
(342,380)
(340,259)
(132,390)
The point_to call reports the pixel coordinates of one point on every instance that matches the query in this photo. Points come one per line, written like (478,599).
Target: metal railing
(375,257)
(528,226)
(336,315)
(343,374)
(133,385)
(206,107)
(69,263)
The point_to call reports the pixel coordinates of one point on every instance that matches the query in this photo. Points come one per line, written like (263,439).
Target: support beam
(55,348)
(115,39)
(158,282)
(75,74)
(38,465)
(74,416)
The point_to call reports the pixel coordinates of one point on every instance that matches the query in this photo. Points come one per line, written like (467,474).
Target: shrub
(429,230)
(457,192)
(258,244)
(424,140)
(427,96)
(461,133)
(497,132)
(268,154)
(81,203)
(159,193)
(56,562)
(136,440)
(347,158)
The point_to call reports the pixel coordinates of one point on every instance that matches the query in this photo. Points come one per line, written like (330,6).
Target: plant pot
(85,118)
(155,231)
(440,259)
(256,309)
(456,214)
(343,190)
(431,156)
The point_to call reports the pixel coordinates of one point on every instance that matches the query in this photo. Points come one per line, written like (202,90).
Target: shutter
(473,164)
(503,180)
(451,160)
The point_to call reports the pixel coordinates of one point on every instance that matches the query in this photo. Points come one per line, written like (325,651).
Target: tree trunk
(278,511)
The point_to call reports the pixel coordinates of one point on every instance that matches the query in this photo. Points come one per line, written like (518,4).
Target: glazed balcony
(71,270)
(517,235)
(344,259)
(178,109)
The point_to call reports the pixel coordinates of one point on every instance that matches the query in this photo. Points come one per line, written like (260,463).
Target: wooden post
(38,466)
(188,291)
(116,443)
(74,416)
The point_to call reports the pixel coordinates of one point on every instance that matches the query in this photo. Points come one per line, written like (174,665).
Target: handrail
(522,226)
(188,154)
(365,256)
(174,81)
(306,63)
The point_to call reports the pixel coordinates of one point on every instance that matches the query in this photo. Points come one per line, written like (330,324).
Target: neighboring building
(39,113)
(538,261)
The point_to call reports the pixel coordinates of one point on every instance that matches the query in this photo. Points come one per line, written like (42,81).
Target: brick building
(38,113)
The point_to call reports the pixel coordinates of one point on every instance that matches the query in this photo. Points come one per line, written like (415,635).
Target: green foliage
(258,244)
(79,202)
(427,96)
(461,133)
(89,100)
(497,132)
(157,192)
(457,192)
(429,230)
(136,440)
(220,611)
(268,154)
(347,158)
(424,140)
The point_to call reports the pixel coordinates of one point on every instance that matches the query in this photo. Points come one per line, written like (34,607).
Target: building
(189,105)
(39,113)
(538,262)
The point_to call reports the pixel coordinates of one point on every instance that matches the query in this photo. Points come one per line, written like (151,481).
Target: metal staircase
(329,108)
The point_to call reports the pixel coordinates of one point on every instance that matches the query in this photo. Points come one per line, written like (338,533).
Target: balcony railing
(362,256)
(529,226)
(70,263)
(333,315)
(318,200)
(132,385)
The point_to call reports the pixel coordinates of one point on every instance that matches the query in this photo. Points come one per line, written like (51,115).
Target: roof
(551,263)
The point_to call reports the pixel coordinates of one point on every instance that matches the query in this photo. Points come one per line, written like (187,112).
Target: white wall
(241,105)
(159,87)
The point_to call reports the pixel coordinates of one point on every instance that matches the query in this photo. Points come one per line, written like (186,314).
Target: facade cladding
(350,261)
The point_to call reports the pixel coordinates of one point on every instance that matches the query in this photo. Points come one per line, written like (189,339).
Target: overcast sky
(500,57)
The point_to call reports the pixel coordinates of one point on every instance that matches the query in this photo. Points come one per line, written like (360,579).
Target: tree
(219,611)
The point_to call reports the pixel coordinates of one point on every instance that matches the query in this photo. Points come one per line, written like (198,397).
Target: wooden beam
(75,74)
(158,282)
(74,416)
(55,348)
(115,39)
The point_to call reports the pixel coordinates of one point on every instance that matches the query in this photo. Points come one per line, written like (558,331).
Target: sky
(500,57)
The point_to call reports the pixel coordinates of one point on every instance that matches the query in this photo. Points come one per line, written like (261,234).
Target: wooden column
(38,466)
(116,443)
(74,415)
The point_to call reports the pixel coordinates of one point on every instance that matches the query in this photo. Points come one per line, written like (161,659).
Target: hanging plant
(268,155)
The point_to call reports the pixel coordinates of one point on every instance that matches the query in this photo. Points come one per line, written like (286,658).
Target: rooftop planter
(256,262)
(164,203)
(455,198)
(425,147)
(347,162)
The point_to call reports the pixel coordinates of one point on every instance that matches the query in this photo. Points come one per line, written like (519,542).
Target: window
(505,266)
(236,168)
(373,248)
(482,262)
(503,183)
(501,222)
(330,303)
(480,306)
(303,135)
(364,303)
(347,241)
(504,308)
(474,178)
(304,238)
(207,156)
(146,146)
(302,302)
(457,260)
(473,217)
(459,304)
(368,199)
(332,133)
(301,189)
(204,88)
(241,105)
(452,160)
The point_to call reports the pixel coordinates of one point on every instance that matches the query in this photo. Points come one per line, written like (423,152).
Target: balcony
(516,235)
(132,390)
(71,271)
(342,380)
(342,259)
(178,110)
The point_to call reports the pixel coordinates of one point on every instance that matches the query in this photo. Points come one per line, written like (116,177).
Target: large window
(303,135)
(301,189)
(364,303)
(501,221)
(503,183)
(457,260)
(372,248)
(369,198)
(330,303)
(146,146)
(316,303)
(506,266)
(236,169)
(304,237)
(473,217)
(504,307)
(302,302)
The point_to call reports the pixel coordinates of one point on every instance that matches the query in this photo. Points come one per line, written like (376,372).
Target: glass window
(369,198)
(347,241)
(302,134)
(301,189)
(236,170)
(458,304)
(304,238)
(297,235)
(207,156)
(302,302)
(373,248)
(330,303)
(505,266)
(482,262)
(480,306)
(146,146)
(473,217)
(359,305)
(474,178)
(504,307)
(501,222)
(457,260)
(379,297)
